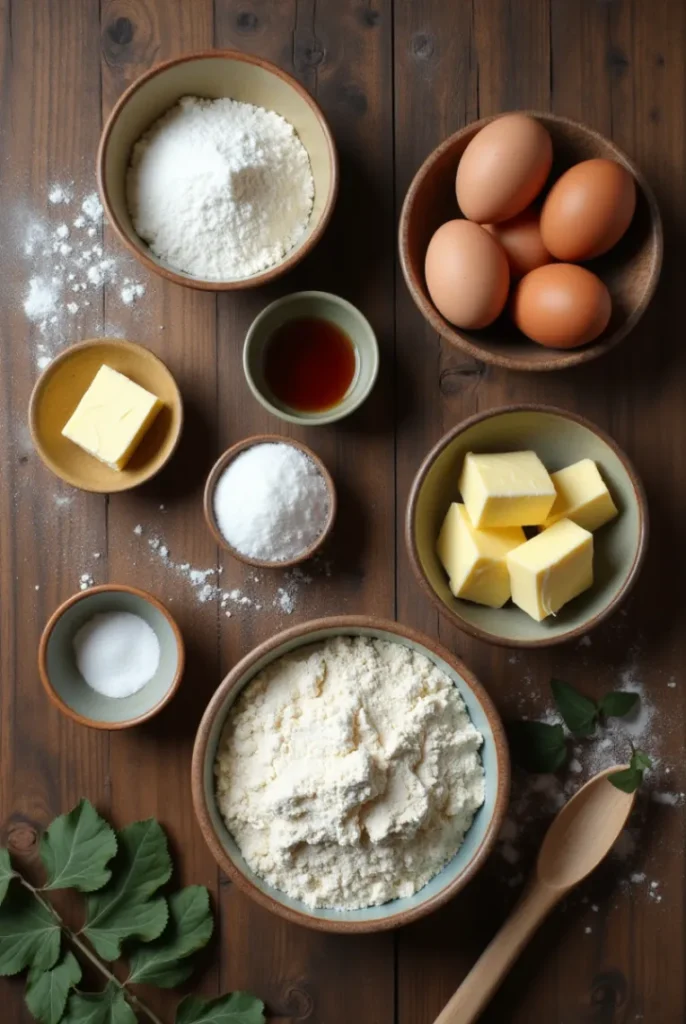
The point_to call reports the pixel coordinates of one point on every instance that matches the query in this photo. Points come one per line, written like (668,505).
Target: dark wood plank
(342,54)
(609,67)
(151,766)
(46,762)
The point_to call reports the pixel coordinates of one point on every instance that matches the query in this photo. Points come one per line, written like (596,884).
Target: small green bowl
(324,306)
(560,438)
(65,686)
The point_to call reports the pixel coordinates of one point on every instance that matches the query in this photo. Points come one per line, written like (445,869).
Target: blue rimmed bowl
(479,839)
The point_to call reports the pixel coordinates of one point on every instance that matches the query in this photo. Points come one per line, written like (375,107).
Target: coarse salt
(271,502)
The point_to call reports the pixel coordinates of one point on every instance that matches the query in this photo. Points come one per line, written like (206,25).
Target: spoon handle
(497,959)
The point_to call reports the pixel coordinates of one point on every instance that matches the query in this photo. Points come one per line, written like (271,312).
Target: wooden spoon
(578,839)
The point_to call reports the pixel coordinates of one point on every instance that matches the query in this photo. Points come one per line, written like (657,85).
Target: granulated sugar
(67,266)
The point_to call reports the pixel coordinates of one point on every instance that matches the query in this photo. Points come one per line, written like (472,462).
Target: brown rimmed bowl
(214,74)
(65,686)
(630,270)
(60,388)
(478,842)
(559,438)
(213,479)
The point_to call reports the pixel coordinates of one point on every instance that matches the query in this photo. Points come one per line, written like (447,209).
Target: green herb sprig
(543,748)
(629,779)
(121,874)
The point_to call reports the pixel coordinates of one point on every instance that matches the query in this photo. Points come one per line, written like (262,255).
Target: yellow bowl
(60,388)
(214,74)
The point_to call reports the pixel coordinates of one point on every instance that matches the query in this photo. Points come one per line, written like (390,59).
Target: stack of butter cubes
(482,544)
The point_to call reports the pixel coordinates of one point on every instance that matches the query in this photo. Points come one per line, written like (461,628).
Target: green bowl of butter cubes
(526,526)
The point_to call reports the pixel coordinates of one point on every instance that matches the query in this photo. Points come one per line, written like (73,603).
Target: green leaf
(641,760)
(163,962)
(7,873)
(618,703)
(538,747)
(124,909)
(47,991)
(76,848)
(578,712)
(108,1007)
(235,1008)
(628,779)
(29,934)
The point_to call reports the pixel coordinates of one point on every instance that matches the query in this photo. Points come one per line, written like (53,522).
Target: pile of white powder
(117,653)
(220,189)
(349,772)
(271,502)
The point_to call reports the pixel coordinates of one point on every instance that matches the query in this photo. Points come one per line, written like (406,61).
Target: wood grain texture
(394,77)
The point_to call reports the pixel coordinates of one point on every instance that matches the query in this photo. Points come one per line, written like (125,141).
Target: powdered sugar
(220,189)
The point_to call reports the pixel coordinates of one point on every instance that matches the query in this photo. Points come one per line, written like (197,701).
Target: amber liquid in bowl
(310,364)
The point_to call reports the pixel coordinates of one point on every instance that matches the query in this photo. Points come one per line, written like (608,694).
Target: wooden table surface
(394,78)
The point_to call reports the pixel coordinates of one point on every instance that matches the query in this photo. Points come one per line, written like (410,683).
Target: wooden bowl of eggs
(530,241)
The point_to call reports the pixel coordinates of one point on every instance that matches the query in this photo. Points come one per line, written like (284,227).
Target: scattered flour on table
(349,772)
(220,189)
(67,265)
(537,798)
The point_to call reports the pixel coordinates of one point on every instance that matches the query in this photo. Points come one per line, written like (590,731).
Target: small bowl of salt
(270,501)
(111,657)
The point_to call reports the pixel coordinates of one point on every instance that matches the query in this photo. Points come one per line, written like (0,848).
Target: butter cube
(112,417)
(551,568)
(512,489)
(475,559)
(581,496)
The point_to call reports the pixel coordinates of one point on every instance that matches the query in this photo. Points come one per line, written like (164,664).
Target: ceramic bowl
(630,270)
(65,686)
(323,306)
(59,390)
(480,837)
(213,479)
(559,438)
(214,74)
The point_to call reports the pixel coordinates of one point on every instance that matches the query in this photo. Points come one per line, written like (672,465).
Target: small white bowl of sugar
(111,657)
(270,501)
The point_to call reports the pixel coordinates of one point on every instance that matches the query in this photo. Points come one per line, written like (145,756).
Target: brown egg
(466,274)
(561,305)
(503,168)
(588,210)
(521,239)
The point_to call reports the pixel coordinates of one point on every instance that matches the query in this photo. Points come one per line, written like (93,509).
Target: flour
(220,189)
(67,266)
(349,772)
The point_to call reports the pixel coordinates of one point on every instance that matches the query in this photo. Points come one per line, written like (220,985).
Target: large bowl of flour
(350,774)
(218,170)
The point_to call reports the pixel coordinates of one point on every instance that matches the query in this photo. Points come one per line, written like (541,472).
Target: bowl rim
(327,415)
(49,627)
(298,253)
(468,627)
(213,478)
(37,394)
(557,359)
(341,623)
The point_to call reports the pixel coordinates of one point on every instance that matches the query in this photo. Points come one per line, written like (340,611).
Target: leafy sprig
(629,779)
(542,747)
(122,874)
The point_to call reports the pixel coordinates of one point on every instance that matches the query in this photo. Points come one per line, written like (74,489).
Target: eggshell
(466,274)
(521,239)
(503,168)
(561,305)
(588,210)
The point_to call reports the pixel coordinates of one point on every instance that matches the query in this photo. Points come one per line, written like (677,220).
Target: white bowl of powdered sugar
(218,170)
(350,774)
